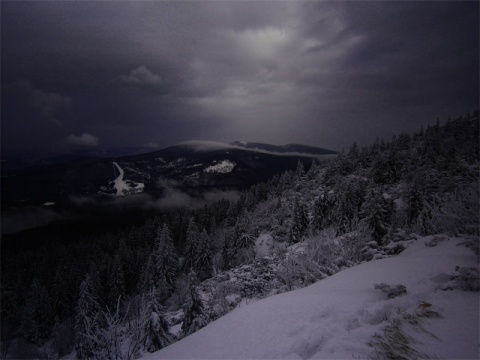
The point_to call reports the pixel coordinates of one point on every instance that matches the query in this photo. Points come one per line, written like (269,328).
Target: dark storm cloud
(84,140)
(47,103)
(323,73)
(420,46)
(142,76)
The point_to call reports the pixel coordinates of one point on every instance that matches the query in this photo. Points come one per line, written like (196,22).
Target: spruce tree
(127,260)
(156,330)
(203,265)
(314,170)
(163,264)
(299,222)
(86,318)
(116,282)
(374,215)
(194,309)
(322,212)
(228,248)
(191,246)
(299,171)
(348,199)
(166,257)
(62,297)
(415,200)
(37,318)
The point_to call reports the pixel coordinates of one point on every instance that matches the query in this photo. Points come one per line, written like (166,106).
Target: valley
(186,175)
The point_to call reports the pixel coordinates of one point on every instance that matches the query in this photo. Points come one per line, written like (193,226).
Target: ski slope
(222,167)
(337,317)
(124,187)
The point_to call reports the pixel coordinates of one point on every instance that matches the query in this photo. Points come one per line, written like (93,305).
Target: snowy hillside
(339,316)
(224,166)
(120,186)
(334,259)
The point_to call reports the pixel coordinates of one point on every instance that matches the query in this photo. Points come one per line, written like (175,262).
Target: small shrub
(391,291)
(436,240)
(395,343)
(467,279)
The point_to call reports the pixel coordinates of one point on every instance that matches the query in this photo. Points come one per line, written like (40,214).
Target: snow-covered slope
(338,316)
(121,187)
(223,167)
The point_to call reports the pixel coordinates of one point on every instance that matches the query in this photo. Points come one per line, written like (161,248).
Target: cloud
(84,140)
(176,199)
(29,217)
(47,103)
(204,145)
(142,76)
(171,199)
(323,73)
(153,145)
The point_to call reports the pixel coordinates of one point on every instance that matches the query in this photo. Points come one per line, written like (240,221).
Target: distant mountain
(284,149)
(22,161)
(190,167)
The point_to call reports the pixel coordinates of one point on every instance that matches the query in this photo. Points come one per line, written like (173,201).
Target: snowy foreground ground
(337,317)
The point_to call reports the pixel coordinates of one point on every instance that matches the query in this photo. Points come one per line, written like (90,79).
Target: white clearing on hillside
(125,187)
(223,167)
(337,317)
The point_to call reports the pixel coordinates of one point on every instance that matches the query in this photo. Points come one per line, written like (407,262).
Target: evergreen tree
(249,201)
(314,170)
(203,264)
(228,248)
(61,294)
(300,170)
(194,309)
(127,259)
(37,318)
(322,212)
(163,264)
(116,282)
(415,200)
(349,196)
(374,215)
(96,282)
(231,214)
(380,169)
(191,247)
(86,319)
(353,152)
(299,222)
(242,232)
(166,256)
(156,331)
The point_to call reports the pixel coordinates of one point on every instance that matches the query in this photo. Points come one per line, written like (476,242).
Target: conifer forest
(124,291)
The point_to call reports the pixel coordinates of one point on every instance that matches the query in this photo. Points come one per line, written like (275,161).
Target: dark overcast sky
(118,73)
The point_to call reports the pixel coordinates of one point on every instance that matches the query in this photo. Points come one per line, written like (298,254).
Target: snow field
(125,187)
(337,317)
(222,167)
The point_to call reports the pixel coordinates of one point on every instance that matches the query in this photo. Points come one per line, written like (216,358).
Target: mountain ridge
(189,168)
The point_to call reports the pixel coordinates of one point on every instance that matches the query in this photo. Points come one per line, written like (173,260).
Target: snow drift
(340,316)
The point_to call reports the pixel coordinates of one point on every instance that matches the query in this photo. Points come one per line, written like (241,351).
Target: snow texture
(337,317)
(264,246)
(223,167)
(124,187)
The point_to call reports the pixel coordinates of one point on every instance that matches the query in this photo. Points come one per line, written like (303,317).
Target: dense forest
(113,295)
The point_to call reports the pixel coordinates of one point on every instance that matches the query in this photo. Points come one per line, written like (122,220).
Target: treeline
(96,294)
